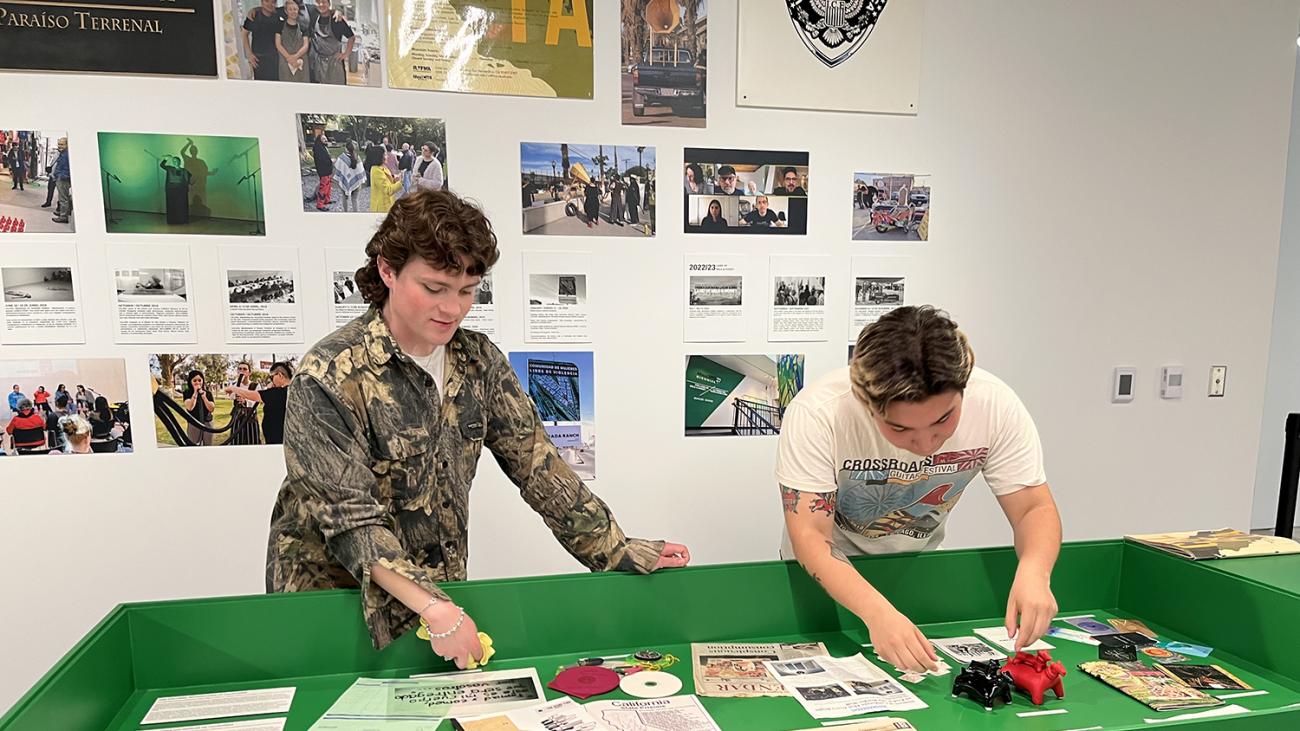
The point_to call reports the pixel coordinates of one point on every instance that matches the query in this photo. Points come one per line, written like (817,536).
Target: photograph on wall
(745,191)
(332,42)
(862,56)
(715,303)
(346,302)
(363,164)
(517,47)
(740,395)
(797,298)
(173,37)
(179,184)
(260,295)
(35,182)
(562,385)
(587,190)
(220,399)
(663,71)
(879,287)
(151,295)
(557,308)
(65,406)
(891,207)
(482,315)
(42,296)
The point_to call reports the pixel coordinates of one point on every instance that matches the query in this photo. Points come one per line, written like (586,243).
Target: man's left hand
(1032,604)
(674,556)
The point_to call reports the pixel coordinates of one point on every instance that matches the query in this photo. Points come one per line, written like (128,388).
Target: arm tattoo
(824,503)
(836,552)
(790,499)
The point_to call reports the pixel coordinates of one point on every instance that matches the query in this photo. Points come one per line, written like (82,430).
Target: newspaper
(829,687)
(735,669)
(1148,686)
(676,713)
(1222,543)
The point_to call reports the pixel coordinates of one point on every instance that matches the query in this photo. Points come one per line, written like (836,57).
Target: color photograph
(221,399)
(516,47)
(64,406)
(355,164)
(891,207)
(587,190)
(562,385)
(745,191)
(332,42)
(664,68)
(35,182)
(177,184)
(740,395)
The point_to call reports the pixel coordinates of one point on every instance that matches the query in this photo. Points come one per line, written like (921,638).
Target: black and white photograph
(878,291)
(37,284)
(745,191)
(150,285)
(557,289)
(346,291)
(246,287)
(483,295)
(798,667)
(724,291)
(799,291)
(823,692)
(875,687)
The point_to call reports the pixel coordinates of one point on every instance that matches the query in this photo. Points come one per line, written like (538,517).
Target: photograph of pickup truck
(663,67)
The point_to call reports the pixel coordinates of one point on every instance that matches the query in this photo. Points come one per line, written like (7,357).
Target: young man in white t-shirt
(874,456)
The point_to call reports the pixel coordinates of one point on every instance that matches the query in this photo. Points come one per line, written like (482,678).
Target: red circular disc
(585,681)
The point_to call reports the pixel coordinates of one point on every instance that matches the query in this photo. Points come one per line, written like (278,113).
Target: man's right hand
(461,645)
(900,643)
(252,60)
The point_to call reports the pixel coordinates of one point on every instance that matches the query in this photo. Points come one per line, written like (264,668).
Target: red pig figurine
(1035,674)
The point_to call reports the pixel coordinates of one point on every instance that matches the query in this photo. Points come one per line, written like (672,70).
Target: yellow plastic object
(488,650)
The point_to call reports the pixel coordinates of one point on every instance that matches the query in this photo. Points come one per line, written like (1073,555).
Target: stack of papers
(1222,543)
(829,687)
(1148,686)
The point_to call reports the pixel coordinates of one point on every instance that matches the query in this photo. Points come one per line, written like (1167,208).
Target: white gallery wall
(1282,391)
(1107,181)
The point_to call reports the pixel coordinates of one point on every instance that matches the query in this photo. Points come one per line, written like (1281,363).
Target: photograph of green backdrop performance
(181,184)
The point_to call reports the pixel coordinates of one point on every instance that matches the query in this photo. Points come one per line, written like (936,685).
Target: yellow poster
(518,47)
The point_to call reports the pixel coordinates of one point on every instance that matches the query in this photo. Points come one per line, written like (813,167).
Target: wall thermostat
(1171,382)
(1122,389)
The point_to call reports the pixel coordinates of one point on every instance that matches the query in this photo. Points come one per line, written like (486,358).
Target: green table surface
(1088,702)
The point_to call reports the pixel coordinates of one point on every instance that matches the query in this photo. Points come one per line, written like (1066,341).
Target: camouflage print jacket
(378,471)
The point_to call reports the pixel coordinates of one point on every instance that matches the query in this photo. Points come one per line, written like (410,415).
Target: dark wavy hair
(446,231)
(909,355)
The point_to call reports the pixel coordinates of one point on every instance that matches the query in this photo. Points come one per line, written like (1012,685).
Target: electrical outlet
(1218,381)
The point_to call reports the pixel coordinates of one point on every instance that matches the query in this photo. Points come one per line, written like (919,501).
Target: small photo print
(878,291)
(150,285)
(64,406)
(665,57)
(707,290)
(206,399)
(740,395)
(798,667)
(35,182)
(587,190)
(799,291)
(353,164)
(483,295)
(891,207)
(823,692)
(745,191)
(317,42)
(346,290)
(261,287)
(875,687)
(37,284)
(557,289)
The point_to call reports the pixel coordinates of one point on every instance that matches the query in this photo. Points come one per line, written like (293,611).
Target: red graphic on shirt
(937,496)
(965,459)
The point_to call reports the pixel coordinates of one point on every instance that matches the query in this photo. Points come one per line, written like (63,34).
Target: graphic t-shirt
(889,500)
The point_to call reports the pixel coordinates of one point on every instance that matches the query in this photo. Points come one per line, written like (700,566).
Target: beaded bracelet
(444,635)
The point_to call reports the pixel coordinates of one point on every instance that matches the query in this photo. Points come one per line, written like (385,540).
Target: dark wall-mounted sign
(114,36)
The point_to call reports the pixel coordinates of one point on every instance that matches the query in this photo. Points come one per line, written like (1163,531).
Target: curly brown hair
(909,355)
(445,230)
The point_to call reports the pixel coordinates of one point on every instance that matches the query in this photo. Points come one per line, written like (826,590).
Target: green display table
(1247,609)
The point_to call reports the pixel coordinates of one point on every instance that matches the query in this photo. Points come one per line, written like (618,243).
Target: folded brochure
(1148,686)
(1222,543)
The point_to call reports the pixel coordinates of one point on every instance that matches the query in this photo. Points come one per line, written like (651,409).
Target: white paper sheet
(153,301)
(259,293)
(796,297)
(830,687)
(966,650)
(715,308)
(482,315)
(557,304)
(675,713)
(42,296)
(998,636)
(879,285)
(265,724)
(341,267)
(219,705)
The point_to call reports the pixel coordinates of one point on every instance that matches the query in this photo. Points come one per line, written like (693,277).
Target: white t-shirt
(889,500)
(435,364)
